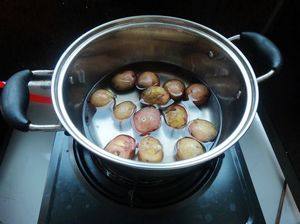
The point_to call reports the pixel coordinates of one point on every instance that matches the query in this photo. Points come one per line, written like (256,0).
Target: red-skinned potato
(202,130)
(175,88)
(146,120)
(150,150)
(187,148)
(176,116)
(101,98)
(124,110)
(122,146)
(198,93)
(147,79)
(124,81)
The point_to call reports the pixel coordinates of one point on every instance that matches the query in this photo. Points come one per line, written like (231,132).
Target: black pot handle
(259,49)
(15,101)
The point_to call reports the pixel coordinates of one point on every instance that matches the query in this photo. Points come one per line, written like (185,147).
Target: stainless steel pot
(194,47)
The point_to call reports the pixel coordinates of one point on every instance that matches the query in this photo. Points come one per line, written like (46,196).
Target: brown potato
(175,88)
(124,110)
(146,120)
(101,98)
(198,93)
(147,79)
(124,81)
(150,150)
(202,130)
(155,95)
(122,146)
(188,148)
(176,116)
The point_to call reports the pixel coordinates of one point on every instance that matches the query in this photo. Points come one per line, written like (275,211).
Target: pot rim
(221,41)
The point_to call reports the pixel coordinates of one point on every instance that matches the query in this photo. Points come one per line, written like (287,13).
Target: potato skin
(124,81)
(124,110)
(101,97)
(147,79)
(122,146)
(175,88)
(198,93)
(188,148)
(176,116)
(155,95)
(202,130)
(150,150)
(146,120)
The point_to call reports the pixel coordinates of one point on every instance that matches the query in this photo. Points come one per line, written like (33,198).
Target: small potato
(198,93)
(175,88)
(124,110)
(150,150)
(101,98)
(176,116)
(202,130)
(188,148)
(122,146)
(147,79)
(155,95)
(146,120)
(124,81)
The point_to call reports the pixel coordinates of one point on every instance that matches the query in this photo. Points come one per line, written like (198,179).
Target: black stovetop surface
(69,198)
